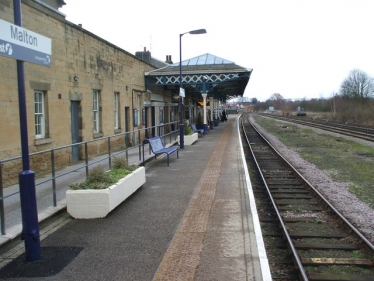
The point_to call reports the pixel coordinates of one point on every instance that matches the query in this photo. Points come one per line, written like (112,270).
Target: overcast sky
(297,48)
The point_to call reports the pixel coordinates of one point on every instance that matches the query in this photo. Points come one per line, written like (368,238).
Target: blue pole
(181,109)
(30,230)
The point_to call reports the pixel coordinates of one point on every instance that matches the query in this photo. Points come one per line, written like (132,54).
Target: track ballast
(305,237)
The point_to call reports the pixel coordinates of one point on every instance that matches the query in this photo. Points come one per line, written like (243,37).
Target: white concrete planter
(189,139)
(97,203)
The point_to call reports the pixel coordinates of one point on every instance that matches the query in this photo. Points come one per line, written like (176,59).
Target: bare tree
(277,97)
(357,85)
(277,100)
(333,104)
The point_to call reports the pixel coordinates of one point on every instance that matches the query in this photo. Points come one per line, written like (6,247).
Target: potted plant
(189,136)
(199,121)
(103,190)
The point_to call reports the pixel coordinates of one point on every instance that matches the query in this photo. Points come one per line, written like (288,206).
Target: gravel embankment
(357,212)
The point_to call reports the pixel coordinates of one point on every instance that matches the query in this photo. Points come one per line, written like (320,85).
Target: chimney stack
(145,55)
(168,59)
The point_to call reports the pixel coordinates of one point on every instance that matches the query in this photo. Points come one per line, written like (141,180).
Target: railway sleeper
(287,190)
(293,202)
(324,246)
(295,187)
(291,196)
(339,277)
(320,246)
(304,219)
(309,225)
(281,175)
(337,261)
(297,234)
(275,181)
(302,208)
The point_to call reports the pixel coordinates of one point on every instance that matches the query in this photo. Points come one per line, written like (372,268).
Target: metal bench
(158,148)
(195,130)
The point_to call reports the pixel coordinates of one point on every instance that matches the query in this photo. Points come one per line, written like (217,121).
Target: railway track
(353,130)
(305,237)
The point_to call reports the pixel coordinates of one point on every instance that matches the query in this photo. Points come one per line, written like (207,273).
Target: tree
(278,101)
(357,85)
(277,97)
(254,100)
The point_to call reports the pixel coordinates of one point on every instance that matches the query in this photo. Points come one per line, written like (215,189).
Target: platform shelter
(206,80)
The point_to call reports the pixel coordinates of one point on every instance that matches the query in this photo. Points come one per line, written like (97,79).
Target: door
(74,130)
(127,126)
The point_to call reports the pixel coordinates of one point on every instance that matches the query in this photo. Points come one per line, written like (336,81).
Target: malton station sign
(25,45)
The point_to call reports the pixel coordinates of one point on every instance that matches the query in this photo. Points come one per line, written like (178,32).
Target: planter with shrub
(189,136)
(103,190)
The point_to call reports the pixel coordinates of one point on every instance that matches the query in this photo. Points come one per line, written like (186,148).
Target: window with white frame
(116,111)
(39,114)
(96,107)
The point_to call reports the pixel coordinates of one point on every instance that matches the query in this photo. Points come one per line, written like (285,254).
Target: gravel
(360,214)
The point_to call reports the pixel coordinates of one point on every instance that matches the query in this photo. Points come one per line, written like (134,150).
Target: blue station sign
(22,44)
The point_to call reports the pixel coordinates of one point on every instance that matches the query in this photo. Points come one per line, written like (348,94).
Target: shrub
(199,120)
(97,178)
(120,163)
(187,129)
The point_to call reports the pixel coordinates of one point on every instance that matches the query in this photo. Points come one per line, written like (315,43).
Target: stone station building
(94,90)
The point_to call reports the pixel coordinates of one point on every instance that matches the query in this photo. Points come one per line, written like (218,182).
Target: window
(39,114)
(161,115)
(172,118)
(138,121)
(136,111)
(136,117)
(96,115)
(116,111)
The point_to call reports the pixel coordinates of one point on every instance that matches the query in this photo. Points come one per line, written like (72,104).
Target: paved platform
(192,220)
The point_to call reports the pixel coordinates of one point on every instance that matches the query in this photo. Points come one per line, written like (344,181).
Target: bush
(120,163)
(187,129)
(199,121)
(97,178)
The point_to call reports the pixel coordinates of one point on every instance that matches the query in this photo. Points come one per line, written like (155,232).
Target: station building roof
(218,77)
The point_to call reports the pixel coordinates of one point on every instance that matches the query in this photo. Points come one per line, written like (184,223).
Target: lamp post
(181,90)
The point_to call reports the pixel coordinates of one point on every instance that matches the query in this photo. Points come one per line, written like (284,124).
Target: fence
(92,153)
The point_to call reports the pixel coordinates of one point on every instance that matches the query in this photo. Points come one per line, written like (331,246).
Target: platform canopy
(218,77)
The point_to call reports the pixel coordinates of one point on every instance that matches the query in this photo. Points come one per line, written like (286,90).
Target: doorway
(75,125)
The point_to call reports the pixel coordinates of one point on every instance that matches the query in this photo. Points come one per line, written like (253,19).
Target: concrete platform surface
(192,220)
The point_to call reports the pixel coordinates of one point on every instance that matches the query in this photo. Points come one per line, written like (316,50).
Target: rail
(289,192)
(284,229)
(109,147)
(353,130)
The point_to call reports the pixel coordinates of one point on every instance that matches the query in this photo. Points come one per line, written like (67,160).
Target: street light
(181,90)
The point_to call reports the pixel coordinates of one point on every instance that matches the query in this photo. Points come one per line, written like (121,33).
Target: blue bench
(158,148)
(195,130)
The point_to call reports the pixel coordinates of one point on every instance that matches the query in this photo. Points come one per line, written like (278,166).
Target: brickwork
(96,64)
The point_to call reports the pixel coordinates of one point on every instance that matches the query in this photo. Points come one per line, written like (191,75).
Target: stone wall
(81,62)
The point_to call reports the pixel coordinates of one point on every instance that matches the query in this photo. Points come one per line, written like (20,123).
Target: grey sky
(298,48)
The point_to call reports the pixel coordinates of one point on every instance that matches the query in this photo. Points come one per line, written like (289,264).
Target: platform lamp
(181,90)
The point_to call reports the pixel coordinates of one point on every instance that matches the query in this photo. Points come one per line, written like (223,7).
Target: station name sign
(22,44)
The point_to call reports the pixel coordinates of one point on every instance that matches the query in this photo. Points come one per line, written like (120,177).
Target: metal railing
(92,153)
